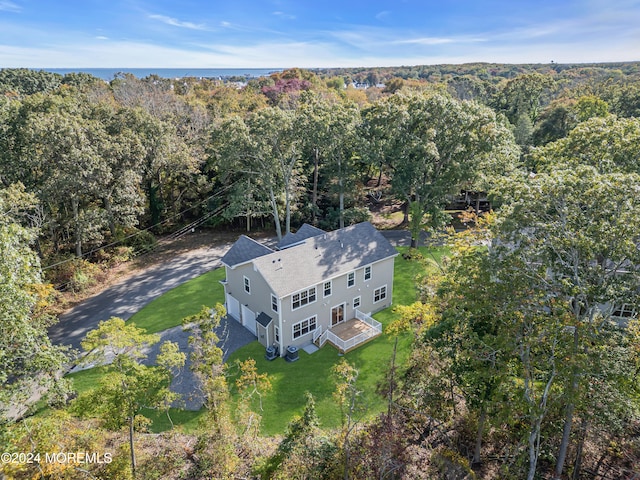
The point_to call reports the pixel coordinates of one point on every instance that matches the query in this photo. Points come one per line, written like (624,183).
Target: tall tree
(265,147)
(523,95)
(440,145)
(573,234)
(608,144)
(29,364)
(129,386)
(329,129)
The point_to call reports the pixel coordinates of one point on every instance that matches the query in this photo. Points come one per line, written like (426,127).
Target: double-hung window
(303,298)
(367,273)
(379,294)
(274,303)
(247,285)
(625,311)
(326,289)
(305,326)
(356,302)
(351,279)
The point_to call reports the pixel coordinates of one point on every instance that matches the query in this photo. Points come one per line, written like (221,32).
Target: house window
(351,279)
(625,311)
(303,298)
(305,326)
(274,303)
(277,334)
(356,302)
(379,294)
(367,273)
(247,285)
(326,289)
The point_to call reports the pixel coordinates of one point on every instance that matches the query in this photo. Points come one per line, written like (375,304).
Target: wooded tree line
(107,160)
(518,367)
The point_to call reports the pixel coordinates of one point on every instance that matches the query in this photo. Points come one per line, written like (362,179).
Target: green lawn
(187,299)
(85,380)
(312,373)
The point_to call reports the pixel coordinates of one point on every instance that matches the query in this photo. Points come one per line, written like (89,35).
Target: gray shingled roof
(264,319)
(304,232)
(322,257)
(244,250)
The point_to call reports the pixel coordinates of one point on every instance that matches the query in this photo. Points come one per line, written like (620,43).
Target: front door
(337,314)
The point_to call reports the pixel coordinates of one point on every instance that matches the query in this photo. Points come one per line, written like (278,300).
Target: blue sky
(322,33)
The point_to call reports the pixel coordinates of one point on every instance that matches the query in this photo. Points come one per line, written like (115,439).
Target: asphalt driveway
(232,336)
(131,294)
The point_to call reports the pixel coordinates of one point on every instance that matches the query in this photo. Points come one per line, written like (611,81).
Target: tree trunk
(287,211)
(314,193)
(538,408)
(534,435)
(109,208)
(276,217)
(578,464)
(568,419)
(249,211)
(76,223)
(564,444)
(155,206)
(475,462)
(379,176)
(341,207)
(133,453)
(416,210)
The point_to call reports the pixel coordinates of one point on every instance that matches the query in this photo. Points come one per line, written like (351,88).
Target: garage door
(233,307)
(249,319)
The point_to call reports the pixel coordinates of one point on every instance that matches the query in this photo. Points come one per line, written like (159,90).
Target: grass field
(187,299)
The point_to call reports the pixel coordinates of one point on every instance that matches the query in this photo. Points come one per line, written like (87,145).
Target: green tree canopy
(29,364)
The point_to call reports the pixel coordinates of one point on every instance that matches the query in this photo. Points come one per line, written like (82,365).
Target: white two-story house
(313,282)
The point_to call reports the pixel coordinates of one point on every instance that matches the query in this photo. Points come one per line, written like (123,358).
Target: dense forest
(525,349)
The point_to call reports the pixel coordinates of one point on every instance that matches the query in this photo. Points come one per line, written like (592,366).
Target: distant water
(110,73)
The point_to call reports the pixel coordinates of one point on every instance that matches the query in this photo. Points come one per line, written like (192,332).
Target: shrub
(70,273)
(141,241)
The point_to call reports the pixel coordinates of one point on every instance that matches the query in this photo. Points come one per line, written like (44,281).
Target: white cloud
(425,41)
(118,54)
(174,22)
(383,14)
(7,6)
(102,37)
(286,16)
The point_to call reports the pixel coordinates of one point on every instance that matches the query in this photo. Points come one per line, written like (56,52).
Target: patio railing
(346,345)
(373,323)
(318,334)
